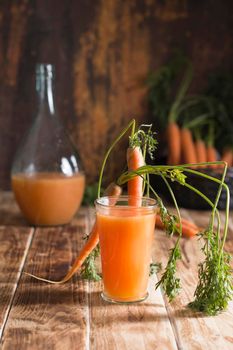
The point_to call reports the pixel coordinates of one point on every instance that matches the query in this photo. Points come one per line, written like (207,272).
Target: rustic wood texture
(15,242)
(35,315)
(193,331)
(102,51)
(9,211)
(14,246)
(45,316)
(132,327)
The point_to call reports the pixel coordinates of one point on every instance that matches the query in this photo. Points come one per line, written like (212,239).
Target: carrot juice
(48,198)
(126,236)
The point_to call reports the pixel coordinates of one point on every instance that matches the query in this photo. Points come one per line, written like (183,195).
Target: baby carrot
(174,143)
(93,240)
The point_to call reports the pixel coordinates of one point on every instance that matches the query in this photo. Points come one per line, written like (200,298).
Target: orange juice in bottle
(48,198)
(47,177)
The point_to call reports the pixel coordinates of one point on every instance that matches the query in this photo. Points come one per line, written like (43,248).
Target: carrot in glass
(134,161)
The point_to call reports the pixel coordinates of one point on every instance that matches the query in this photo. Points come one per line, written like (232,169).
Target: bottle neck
(45,89)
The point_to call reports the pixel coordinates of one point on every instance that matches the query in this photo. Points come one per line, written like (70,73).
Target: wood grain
(102,52)
(35,315)
(142,326)
(192,330)
(10,214)
(14,246)
(47,316)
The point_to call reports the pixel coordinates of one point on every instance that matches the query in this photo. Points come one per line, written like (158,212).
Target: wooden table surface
(36,315)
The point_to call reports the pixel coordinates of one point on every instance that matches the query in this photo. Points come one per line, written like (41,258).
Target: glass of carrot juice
(126,228)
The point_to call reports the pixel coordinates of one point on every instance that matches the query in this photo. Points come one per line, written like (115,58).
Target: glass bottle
(47,177)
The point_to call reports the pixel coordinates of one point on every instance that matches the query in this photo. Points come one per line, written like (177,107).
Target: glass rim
(101,202)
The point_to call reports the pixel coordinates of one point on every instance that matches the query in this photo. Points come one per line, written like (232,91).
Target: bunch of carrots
(187,146)
(198,128)
(195,139)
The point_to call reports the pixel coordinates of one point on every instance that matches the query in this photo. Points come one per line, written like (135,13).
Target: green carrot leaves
(145,138)
(214,289)
(155,267)
(169,220)
(89,270)
(169,281)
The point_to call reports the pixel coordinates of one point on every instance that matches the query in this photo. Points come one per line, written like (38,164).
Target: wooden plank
(9,211)
(142,326)
(14,246)
(45,316)
(194,331)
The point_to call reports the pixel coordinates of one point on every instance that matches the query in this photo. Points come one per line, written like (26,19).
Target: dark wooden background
(102,51)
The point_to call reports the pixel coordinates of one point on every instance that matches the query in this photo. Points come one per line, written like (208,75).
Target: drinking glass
(126,237)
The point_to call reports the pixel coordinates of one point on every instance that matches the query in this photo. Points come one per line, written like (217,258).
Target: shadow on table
(46,296)
(42,294)
(12,219)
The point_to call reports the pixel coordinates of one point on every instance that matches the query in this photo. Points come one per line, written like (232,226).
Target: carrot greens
(155,267)
(144,138)
(214,289)
(89,270)
(169,281)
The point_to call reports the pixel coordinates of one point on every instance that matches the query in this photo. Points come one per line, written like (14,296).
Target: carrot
(227,156)
(211,155)
(200,151)
(187,146)
(113,190)
(134,161)
(174,143)
(93,240)
(211,150)
(189,229)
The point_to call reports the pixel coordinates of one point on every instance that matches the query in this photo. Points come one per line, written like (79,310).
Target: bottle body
(47,176)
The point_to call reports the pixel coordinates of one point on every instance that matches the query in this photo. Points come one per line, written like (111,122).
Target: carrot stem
(172,117)
(124,131)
